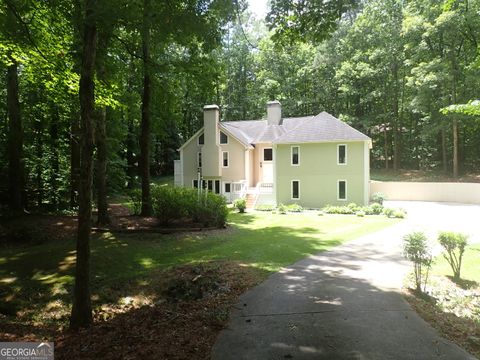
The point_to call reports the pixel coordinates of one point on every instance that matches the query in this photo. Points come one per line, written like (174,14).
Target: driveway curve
(344,303)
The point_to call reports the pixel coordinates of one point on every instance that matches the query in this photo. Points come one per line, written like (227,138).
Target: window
(295,155)
(210,185)
(267,154)
(295,189)
(201,139)
(342,154)
(342,190)
(223,138)
(217,186)
(227,187)
(199,159)
(225,159)
(195,184)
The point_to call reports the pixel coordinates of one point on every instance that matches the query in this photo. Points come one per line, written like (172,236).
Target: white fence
(467,193)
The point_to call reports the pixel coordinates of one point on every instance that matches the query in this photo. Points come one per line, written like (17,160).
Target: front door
(267,165)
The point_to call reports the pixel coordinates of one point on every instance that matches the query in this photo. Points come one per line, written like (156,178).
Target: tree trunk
(101,142)
(15,141)
(101,165)
(455,148)
(130,143)
(54,197)
(145,124)
(74,159)
(82,309)
(396,138)
(444,152)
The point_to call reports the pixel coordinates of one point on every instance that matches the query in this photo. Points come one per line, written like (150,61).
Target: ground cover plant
(36,279)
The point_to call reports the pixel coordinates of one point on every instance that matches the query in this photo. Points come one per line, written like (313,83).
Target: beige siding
(236,161)
(189,161)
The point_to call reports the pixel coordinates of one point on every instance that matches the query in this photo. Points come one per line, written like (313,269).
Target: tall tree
(82,310)
(145,124)
(15,131)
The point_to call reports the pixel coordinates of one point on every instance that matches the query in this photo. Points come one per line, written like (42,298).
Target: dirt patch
(173,314)
(454,312)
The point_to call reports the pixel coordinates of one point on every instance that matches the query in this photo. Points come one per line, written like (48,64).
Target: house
(311,160)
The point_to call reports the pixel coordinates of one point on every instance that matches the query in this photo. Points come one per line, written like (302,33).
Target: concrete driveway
(345,303)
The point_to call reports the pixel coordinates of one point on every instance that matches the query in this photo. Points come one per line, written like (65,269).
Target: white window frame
(263,154)
(338,190)
(199,159)
(198,139)
(220,138)
(291,155)
(291,190)
(338,154)
(228,159)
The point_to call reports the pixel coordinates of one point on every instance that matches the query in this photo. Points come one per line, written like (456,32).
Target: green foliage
(294,208)
(399,214)
(282,209)
(240,205)
(378,198)
(135,202)
(375,209)
(417,250)
(353,207)
(454,247)
(389,212)
(344,210)
(264,207)
(183,204)
(360,213)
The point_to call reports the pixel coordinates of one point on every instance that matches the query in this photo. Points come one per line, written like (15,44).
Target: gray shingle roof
(319,128)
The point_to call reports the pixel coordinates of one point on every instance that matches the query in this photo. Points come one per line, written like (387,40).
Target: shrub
(399,214)
(264,207)
(376,208)
(344,210)
(378,198)
(240,205)
(417,250)
(389,212)
(294,208)
(282,209)
(354,207)
(174,203)
(454,245)
(360,213)
(135,203)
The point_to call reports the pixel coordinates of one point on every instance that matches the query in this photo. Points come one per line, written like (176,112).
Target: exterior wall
(236,161)
(319,173)
(257,159)
(467,193)
(189,161)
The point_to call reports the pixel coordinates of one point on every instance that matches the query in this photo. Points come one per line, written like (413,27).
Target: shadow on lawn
(36,282)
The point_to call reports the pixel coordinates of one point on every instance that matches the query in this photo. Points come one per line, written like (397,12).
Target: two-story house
(311,160)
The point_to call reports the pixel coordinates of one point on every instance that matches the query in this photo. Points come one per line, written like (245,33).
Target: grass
(470,271)
(37,278)
(420,176)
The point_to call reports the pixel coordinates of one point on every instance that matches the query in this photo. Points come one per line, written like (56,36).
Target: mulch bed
(189,305)
(439,309)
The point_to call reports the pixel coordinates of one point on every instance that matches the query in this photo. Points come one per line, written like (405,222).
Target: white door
(267,165)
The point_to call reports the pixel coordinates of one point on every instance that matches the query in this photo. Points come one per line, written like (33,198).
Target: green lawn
(37,277)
